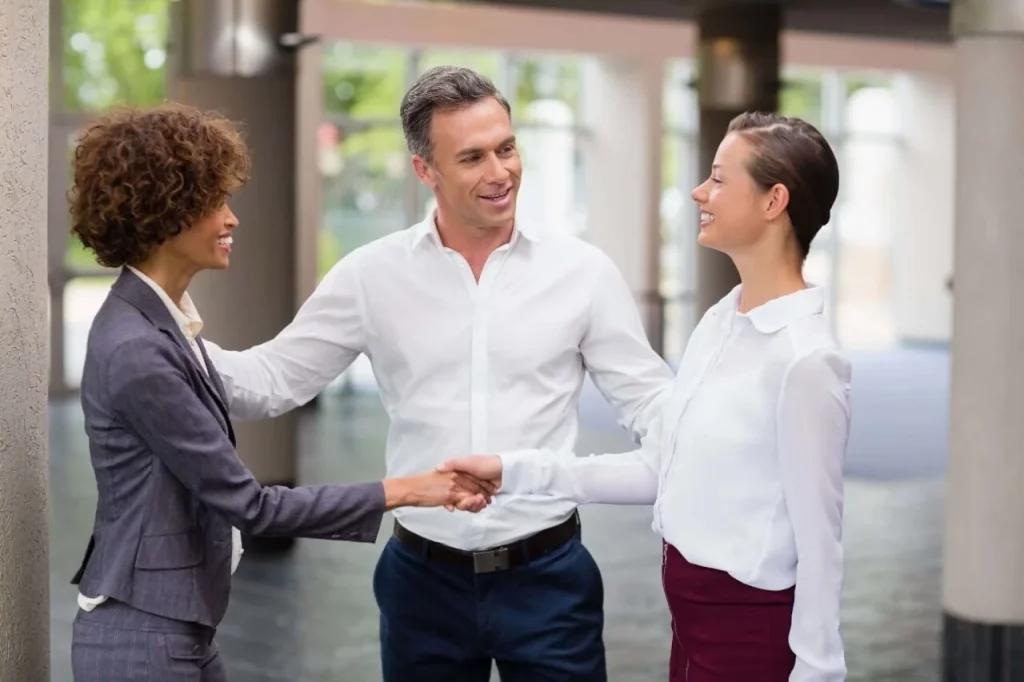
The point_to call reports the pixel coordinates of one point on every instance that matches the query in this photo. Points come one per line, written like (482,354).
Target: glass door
(103,53)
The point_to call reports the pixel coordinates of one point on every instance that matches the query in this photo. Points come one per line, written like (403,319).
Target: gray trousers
(117,643)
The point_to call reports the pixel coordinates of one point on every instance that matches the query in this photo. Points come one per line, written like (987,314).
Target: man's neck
(475,244)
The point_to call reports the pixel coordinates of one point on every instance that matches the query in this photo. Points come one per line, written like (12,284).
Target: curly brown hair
(142,176)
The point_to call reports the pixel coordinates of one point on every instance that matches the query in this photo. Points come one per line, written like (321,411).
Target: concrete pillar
(622,108)
(24,513)
(983,590)
(738,70)
(230,60)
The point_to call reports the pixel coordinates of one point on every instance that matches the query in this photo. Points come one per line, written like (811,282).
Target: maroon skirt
(722,629)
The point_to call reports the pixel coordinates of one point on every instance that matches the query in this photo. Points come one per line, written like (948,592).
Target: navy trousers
(539,622)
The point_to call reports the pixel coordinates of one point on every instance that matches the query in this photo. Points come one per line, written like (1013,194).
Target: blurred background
(616,105)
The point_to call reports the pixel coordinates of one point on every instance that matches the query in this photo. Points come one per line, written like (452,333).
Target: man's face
(475,168)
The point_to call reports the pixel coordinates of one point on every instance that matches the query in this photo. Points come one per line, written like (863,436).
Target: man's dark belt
(495,558)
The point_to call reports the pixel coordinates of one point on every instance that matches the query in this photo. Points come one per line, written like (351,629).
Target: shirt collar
(184,313)
(779,313)
(428,228)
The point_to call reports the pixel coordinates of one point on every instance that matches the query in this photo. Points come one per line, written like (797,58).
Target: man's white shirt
(464,366)
(187,318)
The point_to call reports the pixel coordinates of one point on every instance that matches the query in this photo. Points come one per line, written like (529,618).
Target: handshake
(466,484)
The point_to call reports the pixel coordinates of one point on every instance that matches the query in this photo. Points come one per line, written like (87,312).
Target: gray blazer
(170,483)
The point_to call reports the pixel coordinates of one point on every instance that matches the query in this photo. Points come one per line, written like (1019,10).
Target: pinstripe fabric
(170,487)
(116,643)
(170,483)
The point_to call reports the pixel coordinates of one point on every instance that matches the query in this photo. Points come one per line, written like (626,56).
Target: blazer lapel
(213,377)
(208,381)
(135,291)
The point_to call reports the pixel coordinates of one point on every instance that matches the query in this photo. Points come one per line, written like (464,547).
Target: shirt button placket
(480,365)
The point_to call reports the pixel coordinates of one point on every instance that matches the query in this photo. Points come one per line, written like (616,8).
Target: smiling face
(206,245)
(474,168)
(736,214)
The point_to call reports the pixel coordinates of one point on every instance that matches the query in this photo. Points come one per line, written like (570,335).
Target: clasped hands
(465,483)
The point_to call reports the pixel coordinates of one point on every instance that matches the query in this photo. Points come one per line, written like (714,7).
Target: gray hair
(442,88)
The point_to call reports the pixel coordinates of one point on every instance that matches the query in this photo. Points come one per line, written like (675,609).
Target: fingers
(471,503)
(468,502)
(483,470)
(471,484)
(481,466)
(458,464)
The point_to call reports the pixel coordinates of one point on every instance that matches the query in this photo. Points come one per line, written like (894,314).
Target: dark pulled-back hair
(142,176)
(791,152)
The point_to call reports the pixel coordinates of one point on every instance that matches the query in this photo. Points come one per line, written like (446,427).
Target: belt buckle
(491,560)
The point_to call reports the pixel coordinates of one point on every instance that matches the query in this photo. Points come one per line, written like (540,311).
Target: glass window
(364,172)
(113,51)
(678,241)
(800,96)
(679,98)
(363,81)
(83,297)
(362,154)
(544,93)
(859,80)
(679,174)
(484,62)
(870,161)
(552,182)
(76,257)
(547,90)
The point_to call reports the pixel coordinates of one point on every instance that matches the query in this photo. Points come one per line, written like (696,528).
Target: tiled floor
(310,616)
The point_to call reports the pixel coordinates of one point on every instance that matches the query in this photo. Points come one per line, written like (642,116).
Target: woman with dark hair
(745,468)
(150,196)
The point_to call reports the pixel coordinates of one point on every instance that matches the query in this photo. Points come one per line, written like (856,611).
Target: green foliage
(363,81)
(487,63)
(546,77)
(113,51)
(78,257)
(800,96)
(855,82)
(328,252)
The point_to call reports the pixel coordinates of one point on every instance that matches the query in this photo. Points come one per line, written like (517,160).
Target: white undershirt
(187,318)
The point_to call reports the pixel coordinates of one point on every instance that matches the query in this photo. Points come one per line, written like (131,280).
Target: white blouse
(744,466)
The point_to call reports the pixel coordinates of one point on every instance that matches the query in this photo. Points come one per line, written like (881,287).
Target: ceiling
(926,20)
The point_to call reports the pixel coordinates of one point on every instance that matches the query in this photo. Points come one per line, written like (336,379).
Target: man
(479,330)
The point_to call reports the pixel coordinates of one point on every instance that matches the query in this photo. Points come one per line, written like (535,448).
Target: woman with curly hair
(150,196)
